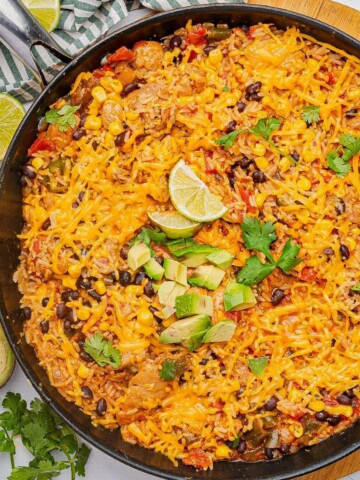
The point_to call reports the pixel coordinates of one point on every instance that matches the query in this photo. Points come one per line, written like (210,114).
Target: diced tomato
(219,404)
(108,68)
(196,36)
(223,230)
(330,401)
(210,170)
(192,56)
(36,246)
(198,458)
(331,80)
(246,197)
(120,55)
(99,73)
(308,274)
(41,144)
(251,32)
(236,316)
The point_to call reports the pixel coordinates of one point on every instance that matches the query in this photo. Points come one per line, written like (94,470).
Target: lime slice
(191,197)
(11,114)
(174,224)
(47,12)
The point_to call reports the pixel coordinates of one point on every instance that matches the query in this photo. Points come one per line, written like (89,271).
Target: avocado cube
(192,304)
(168,291)
(154,269)
(221,259)
(138,255)
(220,332)
(182,329)
(207,276)
(175,271)
(168,311)
(194,341)
(238,296)
(180,243)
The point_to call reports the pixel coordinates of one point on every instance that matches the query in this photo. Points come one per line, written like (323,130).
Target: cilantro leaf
(11,420)
(6,443)
(63,118)
(265,127)
(43,471)
(168,370)
(147,235)
(254,271)
(311,114)
(258,365)
(338,161)
(226,89)
(340,166)
(258,237)
(289,259)
(351,144)
(236,442)
(228,140)
(82,458)
(356,288)
(102,351)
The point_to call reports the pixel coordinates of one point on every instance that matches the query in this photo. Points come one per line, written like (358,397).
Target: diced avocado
(193,249)
(180,243)
(207,276)
(221,332)
(7,359)
(238,296)
(182,329)
(154,269)
(138,255)
(221,259)
(168,291)
(194,341)
(194,260)
(168,311)
(175,271)
(192,304)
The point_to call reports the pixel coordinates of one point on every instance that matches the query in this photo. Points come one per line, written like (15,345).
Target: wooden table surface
(346,19)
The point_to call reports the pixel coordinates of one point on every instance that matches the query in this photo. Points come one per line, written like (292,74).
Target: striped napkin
(82,22)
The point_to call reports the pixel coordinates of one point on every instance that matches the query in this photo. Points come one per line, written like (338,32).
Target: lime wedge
(174,224)
(11,114)
(191,197)
(47,12)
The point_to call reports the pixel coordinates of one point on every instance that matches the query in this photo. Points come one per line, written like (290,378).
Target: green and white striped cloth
(82,22)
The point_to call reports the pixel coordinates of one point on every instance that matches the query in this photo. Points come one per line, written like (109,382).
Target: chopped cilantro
(258,237)
(147,235)
(311,114)
(63,118)
(228,140)
(356,288)
(265,127)
(168,371)
(254,271)
(236,442)
(226,89)
(289,259)
(338,159)
(102,351)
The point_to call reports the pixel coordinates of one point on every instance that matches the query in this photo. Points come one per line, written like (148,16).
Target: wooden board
(346,19)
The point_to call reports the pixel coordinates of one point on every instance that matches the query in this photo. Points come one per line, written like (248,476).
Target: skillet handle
(21,32)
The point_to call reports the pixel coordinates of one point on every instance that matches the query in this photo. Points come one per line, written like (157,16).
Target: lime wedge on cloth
(11,114)
(191,197)
(174,224)
(47,12)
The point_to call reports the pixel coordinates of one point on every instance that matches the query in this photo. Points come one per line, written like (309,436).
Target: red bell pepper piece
(120,55)
(308,274)
(40,144)
(196,36)
(246,197)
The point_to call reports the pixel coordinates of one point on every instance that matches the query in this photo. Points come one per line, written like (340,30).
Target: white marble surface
(100,466)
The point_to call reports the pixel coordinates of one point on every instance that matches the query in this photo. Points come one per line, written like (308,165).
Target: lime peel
(11,114)
(174,224)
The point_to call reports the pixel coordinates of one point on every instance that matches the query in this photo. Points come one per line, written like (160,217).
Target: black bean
(242,446)
(45,301)
(277,296)
(61,310)
(243,163)
(334,420)
(209,48)
(148,290)
(139,277)
(101,407)
(340,206)
(84,283)
(42,125)
(253,88)
(109,280)
(95,295)
(87,392)
(328,251)
(130,87)
(351,113)
(177,60)
(68,295)
(254,97)
(70,316)
(78,134)
(125,278)
(241,106)
(175,42)
(230,127)
(322,416)
(26,311)
(46,224)
(295,156)
(160,260)
(284,449)
(344,399)
(75,205)
(95,144)
(154,311)
(82,121)
(44,325)
(204,361)
(269,453)
(121,139)
(124,252)
(350,393)
(85,356)
(29,172)
(23,181)
(270,405)
(344,252)
(67,325)
(258,176)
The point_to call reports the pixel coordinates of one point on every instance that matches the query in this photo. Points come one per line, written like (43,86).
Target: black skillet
(304,461)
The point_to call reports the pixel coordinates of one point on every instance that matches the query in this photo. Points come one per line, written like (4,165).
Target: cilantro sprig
(338,160)
(43,434)
(64,117)
(172,369)
(260,237)
(102,351)
(263,129)
(310,114)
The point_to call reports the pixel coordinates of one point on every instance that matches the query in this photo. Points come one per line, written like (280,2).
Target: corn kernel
(92,122)
(109,140)
(100,287)
(134,290)
(345,410)
(309,156)
(262,163)
(222,452)
(297,430)
(316,405)
(132,115)
(352,243)
(260,199)
(69,282)
(99,94)
(294,395)
(145,317)
(83,371)
(355,231)
(304,184)
(115,128)
(116,85)
(215,57)
(259,150)
(37,162)
(354,94)
(284,164)
(104,326)
(74,270)
(83,313)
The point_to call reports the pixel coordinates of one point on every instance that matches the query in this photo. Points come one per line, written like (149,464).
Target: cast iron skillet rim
(242,9)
